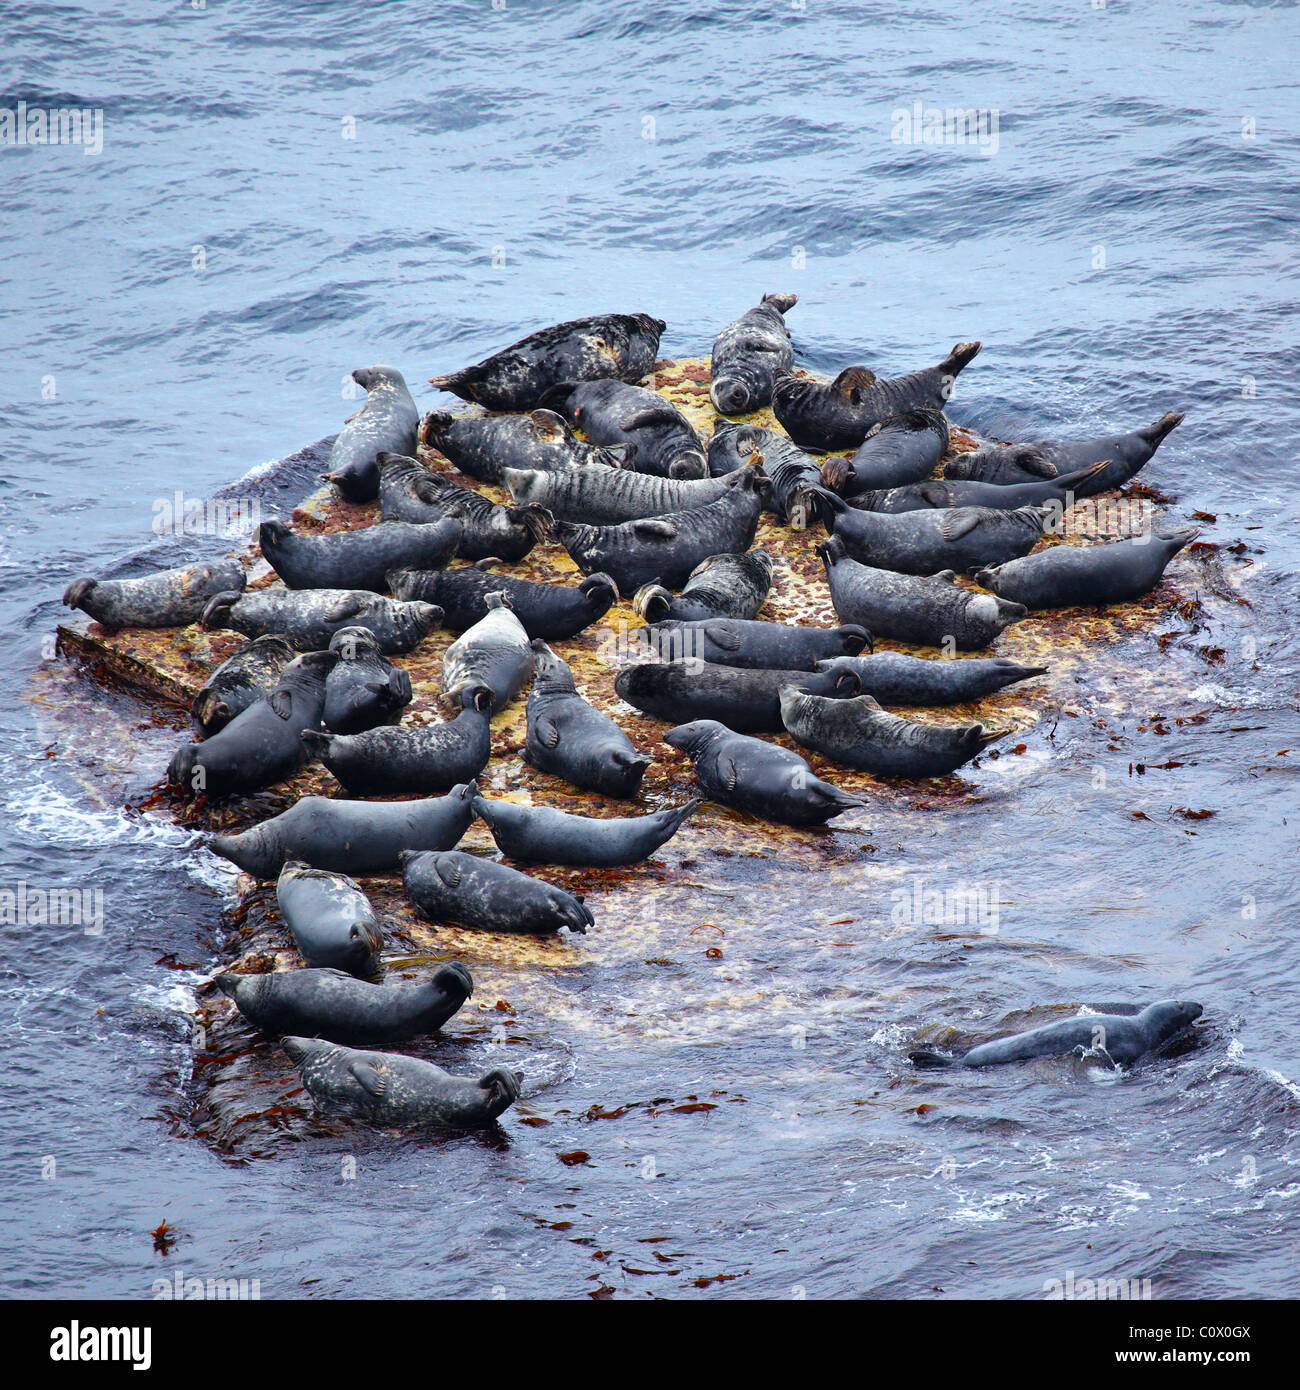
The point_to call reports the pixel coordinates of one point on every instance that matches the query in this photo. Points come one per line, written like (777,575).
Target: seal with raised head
(484,446)
(899,450)
(495,652)
(332,1004)
(741,642)
(262,745)
(859,734)
(893,678)
(356,559)
(386,422)
(309,618)
(837,414)
(750,775)
(723,586)
(1059,492)
(554,612)
(747,352)
(569,738)
(399,1092)
(1087,576)
(364,688)
(170,598)
(540,834)
(240,681)
(607,496)
(953,538)
(612,413)
(349,837)
(1118,1039)
(930,611)
(330,919)
(395,759)
(486,896)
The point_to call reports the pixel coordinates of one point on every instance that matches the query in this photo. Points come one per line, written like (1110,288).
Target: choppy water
(420,184)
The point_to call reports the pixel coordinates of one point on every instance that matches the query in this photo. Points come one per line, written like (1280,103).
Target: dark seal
(486,896)
(365,688)
(240,681)
(484,446)
(954,538)
(356,559)
(741,642)
(331,920)
(663,440)
(723,586)
(309,618)
(895,679)
(539,834)
(746,354)
(899,450)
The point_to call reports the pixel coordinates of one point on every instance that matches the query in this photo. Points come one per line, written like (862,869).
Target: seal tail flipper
(597,582)
(77,591)
(315,743)
(219,606)
(653,602)
(1081,482)
(929,1058)
(433,425)
(1165,425)
(461,383)
(811,502)
(836,473)
(962,355)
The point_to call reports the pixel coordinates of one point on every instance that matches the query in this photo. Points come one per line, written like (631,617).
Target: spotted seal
(746,353)
(1061,492)
(169,598)
(364,688)
(612,413)
(954,538)
(723,586)
(486,896)
(484,446)
(309,618)
(240,681)
(608,496)
(330,919)
(899,450)
(387,421)
(553,612)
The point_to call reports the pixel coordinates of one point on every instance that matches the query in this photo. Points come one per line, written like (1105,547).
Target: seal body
(553,612)
(899,450)
(613,412)
(895,679)
(538,834)
(486,896)
(332,1004)
(356,559)
(387,1088)
(746,354)
(1079,576)
(750,775)
(1061,491)
(170,598)
(364,688)
(1002,464)
(1126,454)
(570,739)
(262,745)
(954,538)
(484,446)
(331,919)
(309,618)
(608,496)
(385,423)
(795,492)
(495,653)
(723,586)
(740,642)
(240,681)
(349,837)
(621,346)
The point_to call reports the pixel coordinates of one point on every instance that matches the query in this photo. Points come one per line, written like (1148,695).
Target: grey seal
(722,586)
(741,642)
(364,688)
(663,440)
(1062,491)
(539,834)
(747,352)
(554,612)
(330,918)
(240,681)
(895,679)
(496,652)
(484,446)
(899,450)
(386,422)
(309,618)
(480,893)
(607,496)
(794,492)
(952,538)
(356,559)
(170,598)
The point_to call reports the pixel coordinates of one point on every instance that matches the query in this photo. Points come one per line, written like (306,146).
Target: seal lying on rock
(399,1092)
(895,679)
(753,644)
(495,653)
(899,450)
(484,446)
(240,681)
(607,496)
(1061,491)
(170,598)
(954,538)
(794,479)
(541,835)
(364,689)
(554,612)
(387,422)
(723,586)
(330,918)
(481,894)
(747,352)
(356,559)
(612,413)
(309,618)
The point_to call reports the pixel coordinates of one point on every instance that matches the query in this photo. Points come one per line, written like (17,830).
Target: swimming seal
(859,734)
(349,837)
(495,652)
(895,679)
(386,422)
(747,352)
(394,759)
(1119,1039)
(363,689)
(612,413)
(553,612)
(899,450)
(240,681)
(331,1004)
(608,496)
(262,745)
(837,414)
(399,1092)
(737,642)
(952,538)
(309,618)
(170,598)
(750,775)
(484,446)
(1061,491)
(569,738)
(487,529)
(356,559)
(486,896)
(330,918)
(723,586)
(746,701)
(926,610)
(542,835)
(1086,576)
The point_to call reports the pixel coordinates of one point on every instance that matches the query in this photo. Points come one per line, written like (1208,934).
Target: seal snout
(731,396)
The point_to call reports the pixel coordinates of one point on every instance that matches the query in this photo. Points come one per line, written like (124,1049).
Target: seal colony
(729,671)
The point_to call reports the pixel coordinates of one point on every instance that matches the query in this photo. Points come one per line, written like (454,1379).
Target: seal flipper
(367,1078)
(1153,434)
(77,591)
(1098,1053)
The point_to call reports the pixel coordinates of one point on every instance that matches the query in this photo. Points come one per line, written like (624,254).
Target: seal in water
(723,586)
(750,775)
(666,549)
(899,450)
(309,618)
(737,642)
(1060,492)
(170,598)
(262,745)
(929,611)
(837,414)
(356,559)
(747,352)
(953,538)
(334,1005)
(1087,576)
(484,446)
(542,835)
(495,652)
(612,412)
(1119,1039)
(608,496)
(590,349)
(331,920)
(486,896)
(569,738)
(399,1092)
(240,681)
(387,422)
(553,612)
(859,734)
(488,530)
(364,689)
(895,679)
(349,837)
(395,759)
(747,701)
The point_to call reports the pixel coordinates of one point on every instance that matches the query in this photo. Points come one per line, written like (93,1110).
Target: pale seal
(747,352)
(608,496)
(386,422)
(170,598)
(484,446)
(495,652)
(479,893)
(330,919)
(309,618)
(539,834)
